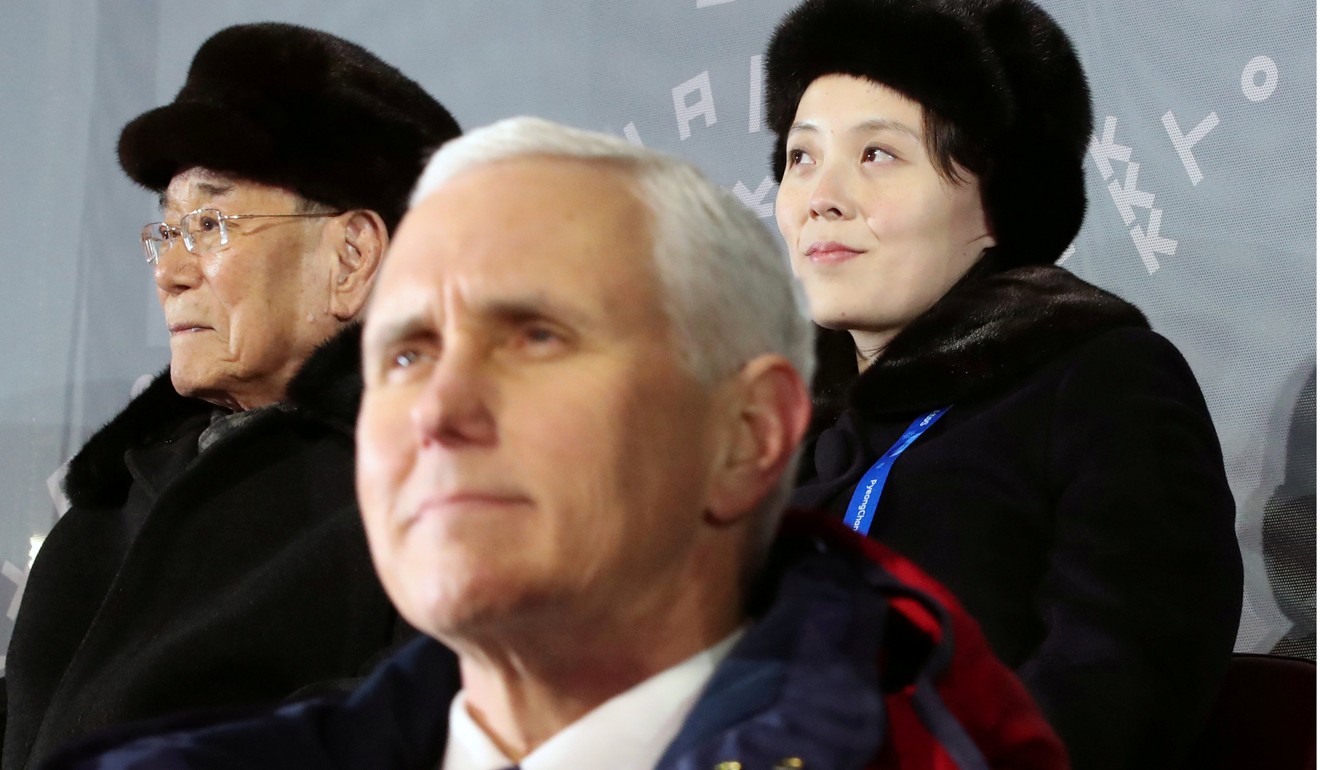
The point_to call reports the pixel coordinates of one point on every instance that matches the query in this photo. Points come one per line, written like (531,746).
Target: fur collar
(993,327)
(327,388)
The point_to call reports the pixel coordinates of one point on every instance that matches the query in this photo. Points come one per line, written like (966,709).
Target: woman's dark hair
(952,150)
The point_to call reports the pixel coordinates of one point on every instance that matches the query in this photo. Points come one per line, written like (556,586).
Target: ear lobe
(357,259)
(770,417)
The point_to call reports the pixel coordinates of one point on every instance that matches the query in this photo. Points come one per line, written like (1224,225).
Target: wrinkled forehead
(197,186)
(571,232)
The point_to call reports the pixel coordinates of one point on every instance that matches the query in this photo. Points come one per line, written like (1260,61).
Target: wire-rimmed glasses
(202,231)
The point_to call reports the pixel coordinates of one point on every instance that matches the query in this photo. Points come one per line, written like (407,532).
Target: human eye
(873,154)
(403,359)
(402,363)
(540,339)
(799,157)
(205,221)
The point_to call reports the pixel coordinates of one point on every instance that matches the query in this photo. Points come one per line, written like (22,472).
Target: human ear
(358,256)
(769,415)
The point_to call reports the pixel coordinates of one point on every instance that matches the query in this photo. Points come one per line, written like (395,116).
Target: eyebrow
(864,127)
(209,189)
(413,326)
(530,307)
(505,310)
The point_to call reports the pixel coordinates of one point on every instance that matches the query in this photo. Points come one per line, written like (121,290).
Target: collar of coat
(328,388)
(993,327)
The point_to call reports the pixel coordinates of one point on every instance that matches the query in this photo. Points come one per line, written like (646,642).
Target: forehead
(194,187)
(568,230)
(843,101)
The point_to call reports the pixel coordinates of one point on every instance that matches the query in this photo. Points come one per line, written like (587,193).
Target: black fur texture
(328,388)
(1000,70)
(992,328)
(295,108)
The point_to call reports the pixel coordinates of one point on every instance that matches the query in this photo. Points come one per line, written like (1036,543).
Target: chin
(838,309)
(189,382)
(455,617)
(205,386)
(842,320)
(832,323)
(852,315)
(469,607)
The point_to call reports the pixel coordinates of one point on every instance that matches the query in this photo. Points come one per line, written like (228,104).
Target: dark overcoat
(181,579)
(1073,497)
(852,659)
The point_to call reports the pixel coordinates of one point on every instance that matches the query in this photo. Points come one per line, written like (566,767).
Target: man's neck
(525,690)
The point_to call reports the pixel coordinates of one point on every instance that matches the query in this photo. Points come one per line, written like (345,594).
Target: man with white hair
(584,371)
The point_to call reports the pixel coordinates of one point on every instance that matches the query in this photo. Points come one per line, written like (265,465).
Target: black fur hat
(296,108)
(1000,70)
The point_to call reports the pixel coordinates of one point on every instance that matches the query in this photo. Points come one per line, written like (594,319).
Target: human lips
(184,327)
(465,502)
(831,252)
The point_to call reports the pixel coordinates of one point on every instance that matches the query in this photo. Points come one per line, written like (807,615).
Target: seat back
(1264,718)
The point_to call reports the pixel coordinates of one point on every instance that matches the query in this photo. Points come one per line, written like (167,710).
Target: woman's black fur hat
(1000,70)
(295,108)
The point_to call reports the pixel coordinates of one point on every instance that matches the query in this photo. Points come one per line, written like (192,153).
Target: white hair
(727,289)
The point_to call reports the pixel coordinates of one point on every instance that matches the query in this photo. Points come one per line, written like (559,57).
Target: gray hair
(727,289)
(726,285)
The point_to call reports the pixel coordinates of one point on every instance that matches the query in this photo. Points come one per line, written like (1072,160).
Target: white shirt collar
(631,730)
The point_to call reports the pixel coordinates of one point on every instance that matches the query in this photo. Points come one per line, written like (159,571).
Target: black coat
(180,580)
(1073,498)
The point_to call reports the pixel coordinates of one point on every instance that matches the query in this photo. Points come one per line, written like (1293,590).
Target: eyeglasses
(203,231)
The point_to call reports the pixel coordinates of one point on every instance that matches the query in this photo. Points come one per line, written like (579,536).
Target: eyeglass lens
(202,230)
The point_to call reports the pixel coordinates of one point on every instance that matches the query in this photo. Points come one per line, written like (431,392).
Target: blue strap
(866,498)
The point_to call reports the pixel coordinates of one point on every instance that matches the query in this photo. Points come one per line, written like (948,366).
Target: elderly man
(213,555)
(584,392)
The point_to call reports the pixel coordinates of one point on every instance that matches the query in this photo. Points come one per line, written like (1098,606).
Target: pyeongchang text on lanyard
(866,498)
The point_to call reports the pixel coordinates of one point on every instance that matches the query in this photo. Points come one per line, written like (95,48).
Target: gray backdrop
(1201,182)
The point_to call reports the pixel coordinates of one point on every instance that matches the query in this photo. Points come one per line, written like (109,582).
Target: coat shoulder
(987,332)
(97,475)
(327,388)
(1124,364)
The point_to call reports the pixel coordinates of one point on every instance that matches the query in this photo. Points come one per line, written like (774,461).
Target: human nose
(831,197)
(176,268)
(454,409)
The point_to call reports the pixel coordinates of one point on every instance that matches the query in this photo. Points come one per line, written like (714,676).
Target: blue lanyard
(866,498)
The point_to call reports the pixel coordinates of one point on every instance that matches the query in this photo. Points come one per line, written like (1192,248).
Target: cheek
(648,449)
(795,262)
(924,214)
(588,450)
(224,275)
(788,212)
(216,266)
(894,216)
(966,216)
(577,435)
(384,451)
(260,280)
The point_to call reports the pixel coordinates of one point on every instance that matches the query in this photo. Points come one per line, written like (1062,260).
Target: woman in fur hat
(1021,434)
